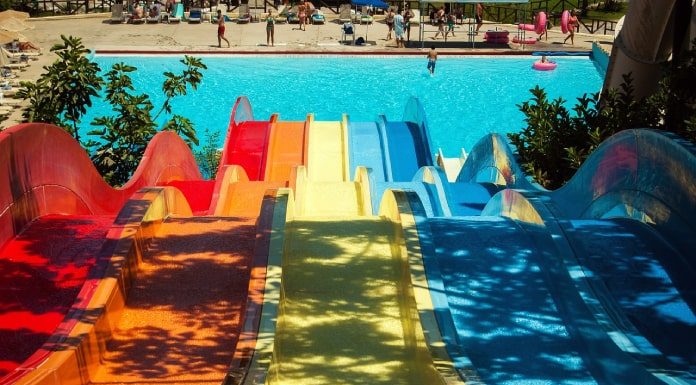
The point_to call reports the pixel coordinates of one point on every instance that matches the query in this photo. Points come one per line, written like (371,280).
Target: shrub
(555,142)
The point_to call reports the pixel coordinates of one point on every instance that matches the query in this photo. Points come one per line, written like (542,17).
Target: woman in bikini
(302,14)
(270,29)
(221,29)
(572,24)
(390,23)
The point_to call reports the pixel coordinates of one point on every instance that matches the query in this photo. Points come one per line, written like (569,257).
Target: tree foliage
(121,138)
(209,154)
(64,92)
(555,143)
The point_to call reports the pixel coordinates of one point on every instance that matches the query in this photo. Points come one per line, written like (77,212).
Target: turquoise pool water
(467,97)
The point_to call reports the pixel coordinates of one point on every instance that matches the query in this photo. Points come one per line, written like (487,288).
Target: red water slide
(55,212)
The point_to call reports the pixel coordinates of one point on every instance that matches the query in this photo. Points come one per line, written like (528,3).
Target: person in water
(432,59)
(221,29)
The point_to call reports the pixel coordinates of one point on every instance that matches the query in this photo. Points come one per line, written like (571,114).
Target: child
(432,59)
(450,24)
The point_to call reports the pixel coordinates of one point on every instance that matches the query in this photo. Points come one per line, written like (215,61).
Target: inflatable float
(497,37)
(526,40)
(544,66)
(565,17)
(539,25)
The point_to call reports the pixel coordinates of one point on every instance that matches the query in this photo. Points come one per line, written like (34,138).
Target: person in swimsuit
(270,29)
(390,23)
(450,24)
(408,15)
(479,16)
(572,24)
(302,13)
(440,16)
(221,30)
(432,59)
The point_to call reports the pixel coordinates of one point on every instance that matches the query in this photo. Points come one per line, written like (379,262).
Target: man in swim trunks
(479,16)
(221,29)
(432,59)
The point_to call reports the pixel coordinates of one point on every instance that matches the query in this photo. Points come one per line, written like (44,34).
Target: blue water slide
(645,283)
(502,305)
(367,149)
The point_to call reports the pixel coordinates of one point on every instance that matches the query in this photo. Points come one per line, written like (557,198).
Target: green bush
(555,142)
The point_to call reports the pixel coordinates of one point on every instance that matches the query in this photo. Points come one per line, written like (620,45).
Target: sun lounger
(244,15)
(344,14)
(117,15)
(194,15)
(8,102)
(318,17)
(7,62)
(177,15)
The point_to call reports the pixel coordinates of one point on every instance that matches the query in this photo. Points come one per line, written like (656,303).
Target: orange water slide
(172,301)
(287,148)
(55,215)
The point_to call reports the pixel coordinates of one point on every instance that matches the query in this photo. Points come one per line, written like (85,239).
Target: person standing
(389,19)
(440,20)
(479,16)
(572,24)
(302,13)
(270,29)
(451,18)
(221,29)
(432,60)
(399,30)
(408,15)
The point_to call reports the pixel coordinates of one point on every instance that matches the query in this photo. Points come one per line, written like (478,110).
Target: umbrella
(9,37)
(373,3)
(14,25)
(11,13)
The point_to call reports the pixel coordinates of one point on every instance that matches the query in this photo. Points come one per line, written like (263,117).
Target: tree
(64,91)
(122,138)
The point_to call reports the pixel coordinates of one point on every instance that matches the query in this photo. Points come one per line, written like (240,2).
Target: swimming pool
(467,98)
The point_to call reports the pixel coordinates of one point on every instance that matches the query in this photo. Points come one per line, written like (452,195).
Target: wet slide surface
(285,150)
(42,271)
(406,150)
(181,321)
(502,305)
(340,320)
(366,149)
(325,158)
(638,274)
(248,147)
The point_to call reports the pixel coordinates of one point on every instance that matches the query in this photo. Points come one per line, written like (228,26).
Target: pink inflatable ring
(565,17)
(540,23)
(547,66)
(519,40)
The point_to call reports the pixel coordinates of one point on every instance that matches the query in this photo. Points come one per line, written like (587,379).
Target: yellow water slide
(346,313)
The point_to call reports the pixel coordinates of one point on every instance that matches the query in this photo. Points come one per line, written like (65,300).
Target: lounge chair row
(10,62)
